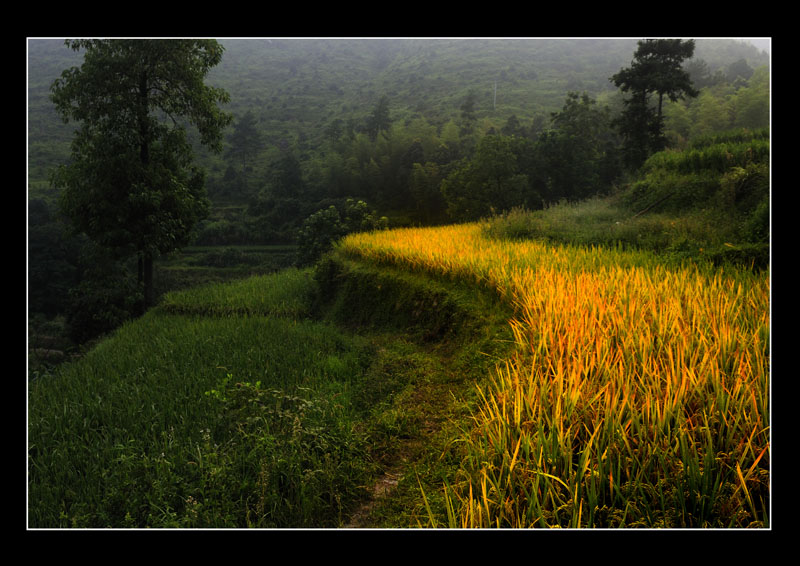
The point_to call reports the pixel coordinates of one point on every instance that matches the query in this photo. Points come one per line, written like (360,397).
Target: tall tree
(491,181)
(379,121)
(467,117)
(245,141)
(579,152)
(131,184)
(656,70)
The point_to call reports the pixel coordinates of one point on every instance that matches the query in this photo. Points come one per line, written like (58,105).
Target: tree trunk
(145,278)
(145,258)
(148,280)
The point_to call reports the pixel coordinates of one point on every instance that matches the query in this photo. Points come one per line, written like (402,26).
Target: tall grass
(601,222)
(727,172)
(236,420)
(712,236)
(717,157)
(638,394)
(285,293)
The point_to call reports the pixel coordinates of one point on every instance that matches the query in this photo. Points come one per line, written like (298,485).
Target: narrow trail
(434,388)
(436,338)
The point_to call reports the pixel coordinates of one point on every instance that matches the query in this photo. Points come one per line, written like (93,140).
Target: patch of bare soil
(382,488)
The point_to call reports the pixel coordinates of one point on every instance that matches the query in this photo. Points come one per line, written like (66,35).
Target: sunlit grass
(638,395)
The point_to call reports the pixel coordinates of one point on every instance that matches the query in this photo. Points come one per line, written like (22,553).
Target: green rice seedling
(198,421)
(285,293)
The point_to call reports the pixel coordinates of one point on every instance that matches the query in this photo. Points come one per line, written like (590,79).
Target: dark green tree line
(491,181)
(579,156)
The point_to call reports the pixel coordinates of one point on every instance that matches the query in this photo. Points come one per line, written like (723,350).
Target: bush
(743,189)
(319,232)
(665,190)
(326,226)
(729,173)
(756,227)
(107,295)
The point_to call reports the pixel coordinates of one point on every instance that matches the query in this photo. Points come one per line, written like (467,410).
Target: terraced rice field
(638,394)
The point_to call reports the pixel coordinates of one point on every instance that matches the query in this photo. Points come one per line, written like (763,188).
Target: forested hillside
(302,93)
(329,135)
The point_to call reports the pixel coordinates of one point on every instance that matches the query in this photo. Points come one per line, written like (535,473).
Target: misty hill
(297,87)
(301,84)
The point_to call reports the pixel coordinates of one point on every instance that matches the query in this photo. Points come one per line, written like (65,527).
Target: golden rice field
(638,394)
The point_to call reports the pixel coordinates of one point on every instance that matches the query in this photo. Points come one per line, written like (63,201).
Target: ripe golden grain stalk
(629,378)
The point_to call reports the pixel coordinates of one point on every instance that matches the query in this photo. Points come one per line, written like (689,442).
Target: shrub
(743,189)
(727,172)
(326,226)
(756,226)
(319,232)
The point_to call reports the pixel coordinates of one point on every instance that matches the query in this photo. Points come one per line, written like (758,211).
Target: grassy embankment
(206,418)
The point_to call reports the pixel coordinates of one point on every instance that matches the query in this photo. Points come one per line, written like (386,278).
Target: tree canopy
(131,184)
(246,139)
(379,121)
(657,69)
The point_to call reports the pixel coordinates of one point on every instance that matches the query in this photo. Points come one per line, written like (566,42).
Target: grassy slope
(241,404)
(128,435)
(450,334)
(395,327)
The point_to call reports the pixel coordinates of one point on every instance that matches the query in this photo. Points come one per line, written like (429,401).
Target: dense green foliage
(131,184)
(324,228)
(424,131)
(727,176)
(305,94)
(470,128)
(656,71)
(710,201)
